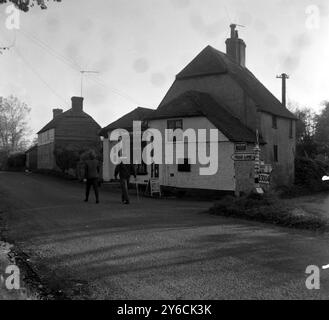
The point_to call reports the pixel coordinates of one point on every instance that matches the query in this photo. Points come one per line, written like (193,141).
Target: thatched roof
(194,103)
(126,122)
(211,62)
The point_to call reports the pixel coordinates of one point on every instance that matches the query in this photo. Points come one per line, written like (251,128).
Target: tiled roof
(65,115)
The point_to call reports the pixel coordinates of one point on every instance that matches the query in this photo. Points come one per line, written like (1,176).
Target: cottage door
(170,176)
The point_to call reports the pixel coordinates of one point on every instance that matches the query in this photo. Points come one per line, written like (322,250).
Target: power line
(75,66)
(83,72)
(38,75)
(3,48)
(43,45)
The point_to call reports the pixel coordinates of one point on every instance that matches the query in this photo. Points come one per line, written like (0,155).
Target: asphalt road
(153,249)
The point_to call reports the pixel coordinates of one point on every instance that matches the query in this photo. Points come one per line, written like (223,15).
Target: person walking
(124,171)
(92,170)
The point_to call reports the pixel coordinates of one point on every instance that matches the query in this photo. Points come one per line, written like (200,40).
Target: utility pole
(82,74)
(284,78)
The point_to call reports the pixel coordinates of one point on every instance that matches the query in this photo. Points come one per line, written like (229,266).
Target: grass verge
(268,209)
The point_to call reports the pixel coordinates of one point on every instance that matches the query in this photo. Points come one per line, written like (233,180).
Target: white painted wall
(109,167)
(222,180)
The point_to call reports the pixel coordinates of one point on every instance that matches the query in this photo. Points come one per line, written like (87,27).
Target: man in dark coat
(124,171)
(92,169)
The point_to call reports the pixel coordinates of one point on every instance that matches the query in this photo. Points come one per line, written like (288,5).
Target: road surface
(152,249)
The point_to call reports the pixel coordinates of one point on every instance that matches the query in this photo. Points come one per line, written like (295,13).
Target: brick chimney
(57,112)
(77,104)
(235,47)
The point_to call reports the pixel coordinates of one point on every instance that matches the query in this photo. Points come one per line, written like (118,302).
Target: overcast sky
(139,46)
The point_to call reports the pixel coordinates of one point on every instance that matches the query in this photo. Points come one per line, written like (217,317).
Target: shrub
(69,158)
(308,178)
(66,158)
(3,159)
(267,209)
(309,172)
(16,161)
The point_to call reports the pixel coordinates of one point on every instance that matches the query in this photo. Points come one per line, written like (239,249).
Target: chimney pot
(57,112)
(77,104)
(236,47)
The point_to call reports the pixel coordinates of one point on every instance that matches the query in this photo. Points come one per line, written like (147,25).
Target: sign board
(155,187)
(243,157)
(264,178)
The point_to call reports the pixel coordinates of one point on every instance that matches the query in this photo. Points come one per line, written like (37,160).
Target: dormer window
(174,125)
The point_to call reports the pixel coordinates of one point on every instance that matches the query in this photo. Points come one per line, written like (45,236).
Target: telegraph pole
(82,74)
(284,78)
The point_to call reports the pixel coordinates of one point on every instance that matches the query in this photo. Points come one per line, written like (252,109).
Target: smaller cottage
(72,128)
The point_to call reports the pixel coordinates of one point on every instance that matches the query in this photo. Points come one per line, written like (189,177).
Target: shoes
(97,201)
(86,200)
(126,202)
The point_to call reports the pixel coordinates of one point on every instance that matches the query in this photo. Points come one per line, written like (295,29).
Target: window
(154,170)
(184,167)
(274,122)
(240,147)
(174,125)
(275,153)
(291,131)
(141,169)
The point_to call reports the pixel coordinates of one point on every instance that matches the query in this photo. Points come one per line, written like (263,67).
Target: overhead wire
(73,64)
(33,69)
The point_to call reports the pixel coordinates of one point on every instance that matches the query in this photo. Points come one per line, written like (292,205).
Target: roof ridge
(207,62)
(65,114)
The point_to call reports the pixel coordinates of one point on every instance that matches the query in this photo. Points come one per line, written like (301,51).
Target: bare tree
(306,145)
(14,129)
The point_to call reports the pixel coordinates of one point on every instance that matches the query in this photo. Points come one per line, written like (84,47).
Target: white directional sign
(243,157)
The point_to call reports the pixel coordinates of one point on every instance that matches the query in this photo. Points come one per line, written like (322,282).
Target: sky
(139,46)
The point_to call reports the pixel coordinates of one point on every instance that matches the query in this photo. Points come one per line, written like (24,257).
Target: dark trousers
(92,182)
(124,190)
